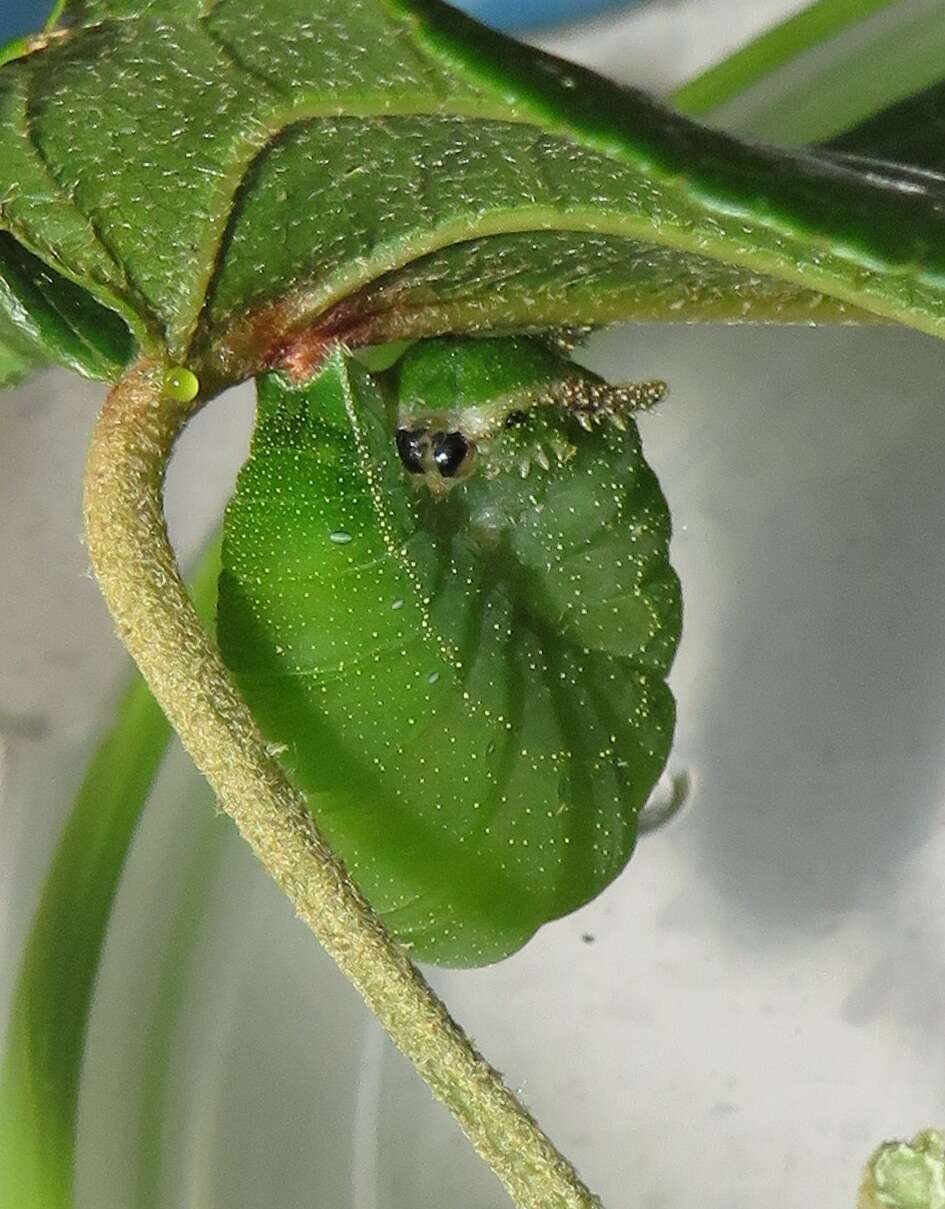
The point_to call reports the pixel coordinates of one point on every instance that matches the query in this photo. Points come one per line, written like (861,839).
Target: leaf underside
(470,691)
(243,182)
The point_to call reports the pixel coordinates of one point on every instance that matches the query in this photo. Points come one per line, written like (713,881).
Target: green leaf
(39,1078)
(833,73)
(245,181)
(140,161)
(468,689)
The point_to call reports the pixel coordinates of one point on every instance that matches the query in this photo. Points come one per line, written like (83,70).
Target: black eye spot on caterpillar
(410,446)
(450,451)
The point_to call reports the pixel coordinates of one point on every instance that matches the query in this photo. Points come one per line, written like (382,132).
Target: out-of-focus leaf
(911,132)
(817,27)
(39,1077)
(828,67)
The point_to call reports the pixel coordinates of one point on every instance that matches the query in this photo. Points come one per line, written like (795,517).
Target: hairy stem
(138,574)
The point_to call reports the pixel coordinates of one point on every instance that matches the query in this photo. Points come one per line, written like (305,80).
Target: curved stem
(138,575)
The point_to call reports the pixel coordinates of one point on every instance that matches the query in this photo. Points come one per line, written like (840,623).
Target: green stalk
(39,1080)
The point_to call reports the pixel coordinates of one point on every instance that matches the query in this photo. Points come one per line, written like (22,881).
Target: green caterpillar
(447,595)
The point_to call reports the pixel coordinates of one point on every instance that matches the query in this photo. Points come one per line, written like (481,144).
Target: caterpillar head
(442,458)
(498,404)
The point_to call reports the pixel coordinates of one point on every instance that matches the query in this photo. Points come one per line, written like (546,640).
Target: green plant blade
(55,15)
(474,739)
(796,63)
(39,1079)
(871,65)
(47,1027)
(859,76)
(16,48)
(385,143)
